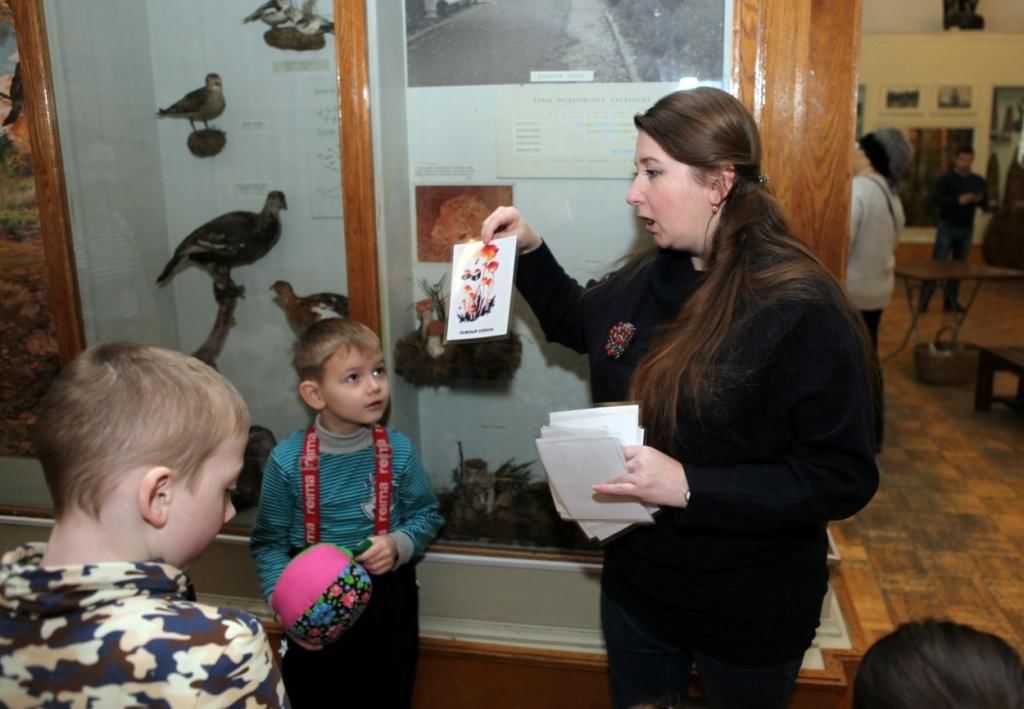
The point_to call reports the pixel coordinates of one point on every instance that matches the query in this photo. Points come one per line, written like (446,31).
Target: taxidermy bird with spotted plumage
(231,240)
(304,310)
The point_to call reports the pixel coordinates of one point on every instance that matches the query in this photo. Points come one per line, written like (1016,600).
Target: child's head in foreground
(939,664)
(131,435)
(342,374)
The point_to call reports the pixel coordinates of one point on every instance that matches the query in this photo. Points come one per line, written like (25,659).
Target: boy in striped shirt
(331,481)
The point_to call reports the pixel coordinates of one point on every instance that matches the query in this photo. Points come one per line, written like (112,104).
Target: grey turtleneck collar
(341,443)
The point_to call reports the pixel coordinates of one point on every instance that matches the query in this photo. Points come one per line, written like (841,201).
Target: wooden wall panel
(357,183)
(456,674)
(795,67)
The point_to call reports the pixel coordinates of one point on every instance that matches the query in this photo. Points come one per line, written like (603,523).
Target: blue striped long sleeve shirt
(346,503)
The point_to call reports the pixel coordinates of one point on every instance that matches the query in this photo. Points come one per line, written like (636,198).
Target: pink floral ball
(321,593)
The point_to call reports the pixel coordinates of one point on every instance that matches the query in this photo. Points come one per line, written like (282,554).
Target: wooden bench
(998,359)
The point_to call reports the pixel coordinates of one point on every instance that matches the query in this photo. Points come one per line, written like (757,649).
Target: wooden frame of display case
(48,167)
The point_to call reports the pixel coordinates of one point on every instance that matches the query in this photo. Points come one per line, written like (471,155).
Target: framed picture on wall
(1007,114)
(954,99)
(902,98)
(664,42)
(448,214)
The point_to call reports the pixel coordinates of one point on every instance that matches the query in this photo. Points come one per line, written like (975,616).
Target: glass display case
(137,191)
(446,110)
(134,91)
(449,108)
(529,104)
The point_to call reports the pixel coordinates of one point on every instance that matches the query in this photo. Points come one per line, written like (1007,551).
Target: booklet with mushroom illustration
(480,302)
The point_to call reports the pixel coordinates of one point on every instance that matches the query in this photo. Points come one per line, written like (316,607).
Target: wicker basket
(946,361)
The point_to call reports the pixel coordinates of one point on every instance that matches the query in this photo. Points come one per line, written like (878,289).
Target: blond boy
(140,448)
(344,380)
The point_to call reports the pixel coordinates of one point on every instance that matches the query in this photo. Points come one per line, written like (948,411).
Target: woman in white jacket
(876,220)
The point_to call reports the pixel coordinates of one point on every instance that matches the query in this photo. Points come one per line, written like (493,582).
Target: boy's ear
(309,390)
(155,495)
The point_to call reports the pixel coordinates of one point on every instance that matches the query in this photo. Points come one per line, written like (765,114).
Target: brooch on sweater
(619,338)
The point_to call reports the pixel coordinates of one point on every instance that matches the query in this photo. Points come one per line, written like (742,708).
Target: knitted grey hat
(889,152)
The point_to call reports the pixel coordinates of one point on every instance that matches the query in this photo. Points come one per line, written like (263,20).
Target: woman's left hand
(651,476)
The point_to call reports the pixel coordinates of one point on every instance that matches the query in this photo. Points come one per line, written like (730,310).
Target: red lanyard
(309,465)
(382,456)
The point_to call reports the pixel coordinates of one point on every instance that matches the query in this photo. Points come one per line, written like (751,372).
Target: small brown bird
(203,104)
(303,311)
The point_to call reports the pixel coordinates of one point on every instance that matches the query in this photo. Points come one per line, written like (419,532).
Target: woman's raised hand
(505,221)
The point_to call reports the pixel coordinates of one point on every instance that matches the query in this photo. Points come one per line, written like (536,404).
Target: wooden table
(999,359)
(916,273)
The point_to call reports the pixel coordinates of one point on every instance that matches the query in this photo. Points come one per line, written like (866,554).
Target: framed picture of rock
(449,214)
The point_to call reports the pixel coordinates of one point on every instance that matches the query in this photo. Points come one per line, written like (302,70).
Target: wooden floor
(944,536)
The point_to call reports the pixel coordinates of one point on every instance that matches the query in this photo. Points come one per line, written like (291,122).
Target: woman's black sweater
(740,573)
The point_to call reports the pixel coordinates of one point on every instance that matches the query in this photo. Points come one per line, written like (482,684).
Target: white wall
(906,16)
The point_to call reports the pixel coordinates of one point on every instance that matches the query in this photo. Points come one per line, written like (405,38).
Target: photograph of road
(476,42)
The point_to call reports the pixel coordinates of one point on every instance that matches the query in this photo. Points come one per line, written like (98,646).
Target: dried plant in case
(423,358)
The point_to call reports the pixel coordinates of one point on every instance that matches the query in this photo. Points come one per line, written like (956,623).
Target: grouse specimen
(230,240)
(303,311)
(203,104)
(16,97)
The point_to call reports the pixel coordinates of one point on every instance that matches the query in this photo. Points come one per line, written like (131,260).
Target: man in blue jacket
(958,193)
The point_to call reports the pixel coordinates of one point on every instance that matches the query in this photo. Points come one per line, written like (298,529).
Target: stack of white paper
(582,448)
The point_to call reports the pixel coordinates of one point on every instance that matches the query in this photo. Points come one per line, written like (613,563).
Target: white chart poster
(577,131)
(323,149)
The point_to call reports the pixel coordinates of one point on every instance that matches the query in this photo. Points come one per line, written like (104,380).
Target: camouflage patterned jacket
(122,634)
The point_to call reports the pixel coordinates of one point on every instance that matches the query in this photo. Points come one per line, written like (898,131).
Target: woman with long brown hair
(751,372)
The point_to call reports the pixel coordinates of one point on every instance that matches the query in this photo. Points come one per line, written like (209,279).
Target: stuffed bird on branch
(230,240)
